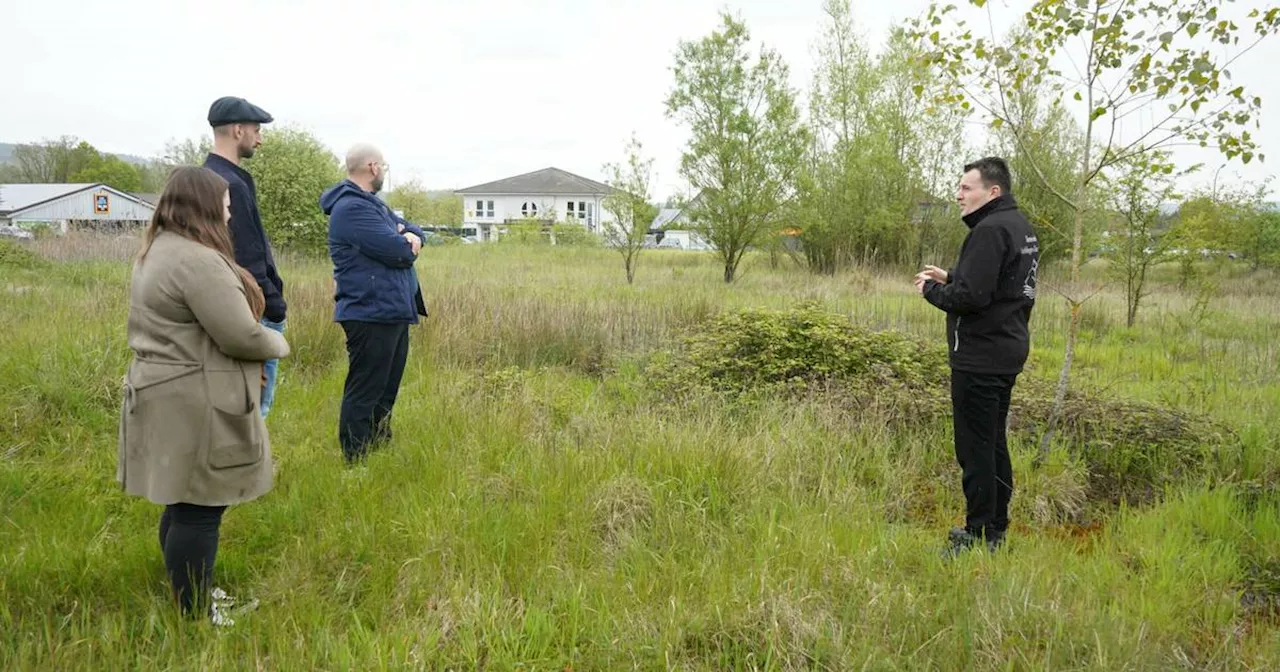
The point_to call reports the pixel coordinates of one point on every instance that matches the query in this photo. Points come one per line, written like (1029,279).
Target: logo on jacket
(1029,285)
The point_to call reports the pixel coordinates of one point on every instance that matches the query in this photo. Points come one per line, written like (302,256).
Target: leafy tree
(53,161)
(746,138)
(423,207)
(1052,143)
(152,176)
(1255,227)
(629,205)
(112,171)
(1238,220)
(1136,244)
(883,162)
(188,152)
(291,169)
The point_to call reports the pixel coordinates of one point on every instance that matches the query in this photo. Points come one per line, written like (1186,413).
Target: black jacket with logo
(989,295)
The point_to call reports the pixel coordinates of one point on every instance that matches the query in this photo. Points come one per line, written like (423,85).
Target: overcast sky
(455,93)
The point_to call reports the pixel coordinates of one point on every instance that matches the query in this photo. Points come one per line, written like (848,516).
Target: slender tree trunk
(1133,285)
(1139,284)
(1133,311)
(1073,330)
(1073,327)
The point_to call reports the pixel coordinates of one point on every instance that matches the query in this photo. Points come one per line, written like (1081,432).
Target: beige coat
(190,427)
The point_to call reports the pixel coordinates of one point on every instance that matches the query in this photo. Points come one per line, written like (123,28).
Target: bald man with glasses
(377,297)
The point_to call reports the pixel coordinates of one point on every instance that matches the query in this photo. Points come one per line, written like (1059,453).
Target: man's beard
(377,183)
(247,152)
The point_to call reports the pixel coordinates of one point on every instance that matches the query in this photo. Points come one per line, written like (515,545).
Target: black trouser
(189,540)
(980,408)
(376,354)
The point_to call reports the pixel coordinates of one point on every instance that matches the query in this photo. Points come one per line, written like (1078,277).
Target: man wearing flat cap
(237,132)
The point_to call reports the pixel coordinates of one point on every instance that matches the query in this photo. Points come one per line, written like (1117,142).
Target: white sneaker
(225,608)
(219,617)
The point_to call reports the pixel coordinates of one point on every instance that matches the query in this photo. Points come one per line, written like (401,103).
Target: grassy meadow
(546,505)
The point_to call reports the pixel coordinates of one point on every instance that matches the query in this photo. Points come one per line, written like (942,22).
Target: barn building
(66,207)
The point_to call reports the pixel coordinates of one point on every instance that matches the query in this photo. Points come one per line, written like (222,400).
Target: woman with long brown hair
(191,434)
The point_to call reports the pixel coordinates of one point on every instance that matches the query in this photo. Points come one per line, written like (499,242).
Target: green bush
(755,351)
(15,255)
(1133,450)
(537,232)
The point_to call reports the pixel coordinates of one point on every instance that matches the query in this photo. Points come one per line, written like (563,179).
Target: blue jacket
(372,262)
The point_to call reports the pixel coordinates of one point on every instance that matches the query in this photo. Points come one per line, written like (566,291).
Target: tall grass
(542,508)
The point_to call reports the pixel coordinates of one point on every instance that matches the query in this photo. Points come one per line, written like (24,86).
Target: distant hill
(6,155)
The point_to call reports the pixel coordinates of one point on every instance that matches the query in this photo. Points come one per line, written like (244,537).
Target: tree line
(858,169)
(861,170)
(290,169)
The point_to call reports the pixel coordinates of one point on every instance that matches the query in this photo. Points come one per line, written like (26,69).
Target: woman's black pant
(189,540)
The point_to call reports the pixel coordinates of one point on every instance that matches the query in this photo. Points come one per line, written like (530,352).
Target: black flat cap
(232,110)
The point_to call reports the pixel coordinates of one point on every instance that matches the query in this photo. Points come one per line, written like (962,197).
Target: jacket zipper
(957,348)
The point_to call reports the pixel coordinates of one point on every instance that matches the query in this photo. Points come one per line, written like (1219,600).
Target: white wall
(511,206)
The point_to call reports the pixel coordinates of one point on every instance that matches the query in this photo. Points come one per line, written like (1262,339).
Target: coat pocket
(235,434)
(234,438)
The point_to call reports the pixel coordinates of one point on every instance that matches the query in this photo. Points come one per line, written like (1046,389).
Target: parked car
(15,232)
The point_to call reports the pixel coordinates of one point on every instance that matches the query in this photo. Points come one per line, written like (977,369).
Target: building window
(489,212)
(582,209)
(479,208)
(569,214)
(591,211)
(529,209)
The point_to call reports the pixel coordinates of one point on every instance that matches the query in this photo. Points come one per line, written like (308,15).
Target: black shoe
(382,432)
(960,541)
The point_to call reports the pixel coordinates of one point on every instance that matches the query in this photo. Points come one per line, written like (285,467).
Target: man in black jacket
(237,133)
(988,298)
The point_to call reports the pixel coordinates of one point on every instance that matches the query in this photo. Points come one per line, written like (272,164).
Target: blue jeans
(271,365)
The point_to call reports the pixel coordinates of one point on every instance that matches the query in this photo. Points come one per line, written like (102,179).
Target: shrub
(1132,449)
(15,255)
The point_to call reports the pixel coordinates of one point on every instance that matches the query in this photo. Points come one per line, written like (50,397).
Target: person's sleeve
(363,228)
(216,297)
(413,228)
(248,246)
(971,287)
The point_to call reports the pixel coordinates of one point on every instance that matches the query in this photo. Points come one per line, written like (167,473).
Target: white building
(67,206)
(550,195)
(670,229)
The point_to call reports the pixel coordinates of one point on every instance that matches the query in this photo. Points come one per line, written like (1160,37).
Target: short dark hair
(994,172)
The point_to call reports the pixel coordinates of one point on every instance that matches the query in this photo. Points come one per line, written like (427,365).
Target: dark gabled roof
(551,181)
